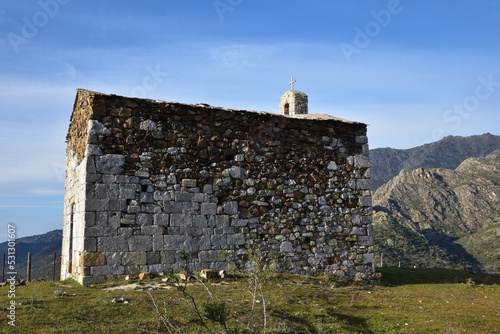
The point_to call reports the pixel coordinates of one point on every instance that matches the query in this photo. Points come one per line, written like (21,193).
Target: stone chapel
(146,179)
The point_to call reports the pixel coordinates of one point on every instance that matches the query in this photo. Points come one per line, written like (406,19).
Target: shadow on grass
(346,322)
(405,276)
(349,322)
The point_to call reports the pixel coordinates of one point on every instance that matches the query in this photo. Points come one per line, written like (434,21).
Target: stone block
(95,205)
(114,219)
(361,139)
(363,184)
(113,258)
(151,208)
(152,230)
(98,231)
(90,219)
(108,178)
(101,218)
(97,128)
(332,166)
(116,205)
(191,208)
(141,243)
(145,197)
(162,219)
(144,219)
(188,183)
(177,242)
(107,270)
(201,198)
(211,256)
(112,244)
(183,196)
(200,221)
(236,239)
(358,230)
(172,207)
(106,190)
(348,263)
(361,161)
(365,241)
(158,242)
(154,258)
(153,268)
(148,125)
(167,257)
(221,221)
(92,259)
(366,220)
(162,196)
(219,241)
(286,247)
(127,191)
(133,209)
(181,220)
(208,208)
(90,244)
(110,163)
(131,270)
(92,149)
(237,172)
(370,230)
(365,201)
(201,243)
(93,177)
(230,208)
(134,258)
(207,189)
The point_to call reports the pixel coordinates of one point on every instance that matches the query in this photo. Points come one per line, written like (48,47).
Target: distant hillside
(448,153)
(42,248)
(442,217)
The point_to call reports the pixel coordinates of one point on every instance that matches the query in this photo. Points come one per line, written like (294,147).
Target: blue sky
(415,70)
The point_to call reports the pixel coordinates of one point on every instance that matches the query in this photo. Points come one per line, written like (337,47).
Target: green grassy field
(414,301)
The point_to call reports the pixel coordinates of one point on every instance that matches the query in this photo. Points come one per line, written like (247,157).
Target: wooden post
(54,269)
(381,260)
(29,267)
(3,269)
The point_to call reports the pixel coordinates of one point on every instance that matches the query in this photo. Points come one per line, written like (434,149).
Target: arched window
(287,109)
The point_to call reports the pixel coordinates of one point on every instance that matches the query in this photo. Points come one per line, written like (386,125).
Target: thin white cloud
(241,55)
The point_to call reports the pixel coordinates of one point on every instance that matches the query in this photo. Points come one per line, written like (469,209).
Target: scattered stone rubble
(146,179)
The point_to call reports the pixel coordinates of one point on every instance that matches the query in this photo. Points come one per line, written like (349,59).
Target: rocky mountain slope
(42,248)
(448,153)
(441,217)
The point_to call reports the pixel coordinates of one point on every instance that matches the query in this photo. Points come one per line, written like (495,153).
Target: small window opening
(287,109)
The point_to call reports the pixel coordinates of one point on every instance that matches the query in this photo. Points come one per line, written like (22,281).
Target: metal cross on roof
(293,81)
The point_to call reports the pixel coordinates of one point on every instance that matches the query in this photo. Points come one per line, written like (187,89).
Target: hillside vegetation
(441,217)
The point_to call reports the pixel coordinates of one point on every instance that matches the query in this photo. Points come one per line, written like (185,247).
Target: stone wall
(162,176)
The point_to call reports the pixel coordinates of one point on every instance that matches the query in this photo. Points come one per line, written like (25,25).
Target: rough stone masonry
(146,179)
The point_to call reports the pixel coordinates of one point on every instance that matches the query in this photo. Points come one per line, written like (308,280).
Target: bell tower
(293,102)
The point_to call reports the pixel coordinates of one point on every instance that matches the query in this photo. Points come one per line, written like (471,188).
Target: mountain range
(448,152)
